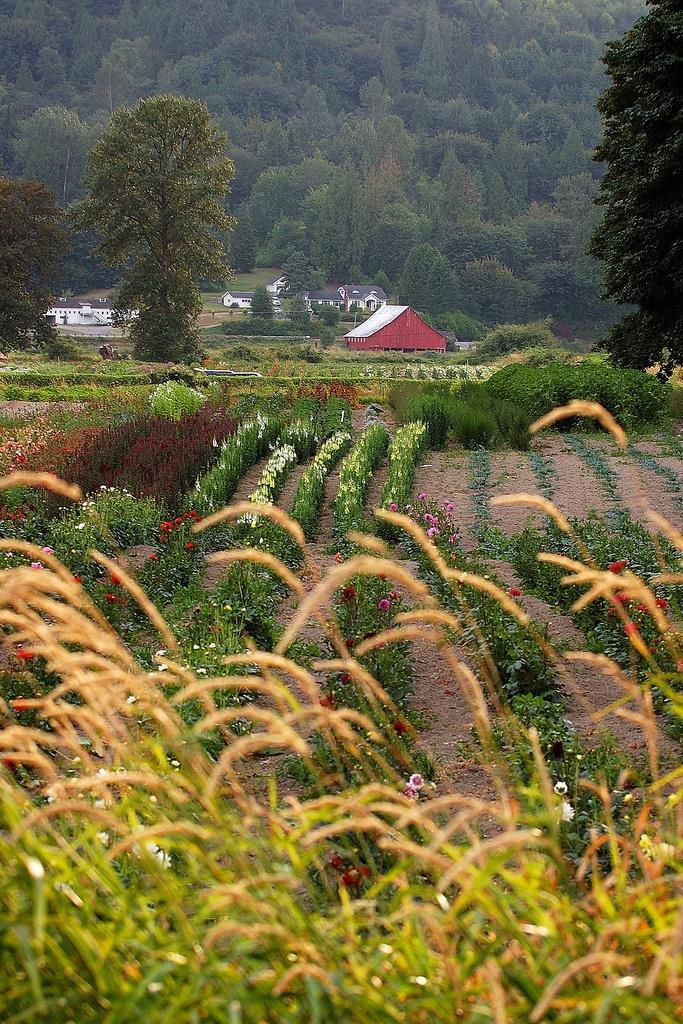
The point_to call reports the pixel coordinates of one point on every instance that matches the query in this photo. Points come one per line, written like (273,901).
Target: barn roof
(240,295)
(382,318)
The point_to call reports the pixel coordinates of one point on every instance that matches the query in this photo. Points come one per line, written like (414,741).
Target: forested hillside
(455,136)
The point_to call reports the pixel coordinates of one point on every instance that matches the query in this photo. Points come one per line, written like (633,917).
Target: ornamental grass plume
(146,878)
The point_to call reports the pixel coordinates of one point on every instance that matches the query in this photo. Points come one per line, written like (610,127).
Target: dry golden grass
(141,877)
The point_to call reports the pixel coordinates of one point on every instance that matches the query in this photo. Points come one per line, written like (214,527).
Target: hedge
(631,396)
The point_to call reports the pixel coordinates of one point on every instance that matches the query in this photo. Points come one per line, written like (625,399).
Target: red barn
(397,328)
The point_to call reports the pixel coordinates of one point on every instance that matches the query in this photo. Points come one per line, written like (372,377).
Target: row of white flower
(238,452)
(310,492)
(421,371)
(277,468)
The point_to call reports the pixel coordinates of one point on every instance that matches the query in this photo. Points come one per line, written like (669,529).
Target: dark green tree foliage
(358,130)
(31,242)
(299,275)
(427,282)
(641,237)
(243,243)
(156,187)
(298,313)
(261,303)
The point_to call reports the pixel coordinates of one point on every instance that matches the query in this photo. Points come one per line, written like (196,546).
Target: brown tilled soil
(26,410)
(443,476)
(512,474)
(589,689)
(639,488)
(578,490)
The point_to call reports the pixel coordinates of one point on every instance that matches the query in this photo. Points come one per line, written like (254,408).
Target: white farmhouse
(243,300)
(276,286)
(90,313)
(364,296)
(238,300)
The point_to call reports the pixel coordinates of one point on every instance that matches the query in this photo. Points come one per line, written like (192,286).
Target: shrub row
(631,396)
(253,327)
(471,414)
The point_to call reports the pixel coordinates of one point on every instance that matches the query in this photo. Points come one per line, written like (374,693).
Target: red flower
(617,567)
(339,557)
(515,592)
(642,607)
(353,877)
(400,727)
(327,702)
(166,526)
(111,598)
(622,597)
(345,678)
(178,521)
(662,602)
(152,558)
(350,642)
(190,545)
(24,655)
(20,704)
(77,579)
(631,628)
(348,595)
(336,862)
(115,578)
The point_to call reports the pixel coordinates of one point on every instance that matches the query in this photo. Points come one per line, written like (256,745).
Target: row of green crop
(354,478)
(310,493)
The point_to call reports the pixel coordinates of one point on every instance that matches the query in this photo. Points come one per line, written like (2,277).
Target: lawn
(359,747)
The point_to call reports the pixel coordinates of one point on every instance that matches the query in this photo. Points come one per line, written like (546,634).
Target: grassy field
(361,754)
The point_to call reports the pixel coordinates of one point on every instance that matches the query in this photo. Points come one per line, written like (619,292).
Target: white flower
(103,838)
(567,811)
(80,526)
(560,788)
(132,699)
(156,851)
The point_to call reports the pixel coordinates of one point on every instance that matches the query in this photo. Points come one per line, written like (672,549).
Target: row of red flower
(148,455)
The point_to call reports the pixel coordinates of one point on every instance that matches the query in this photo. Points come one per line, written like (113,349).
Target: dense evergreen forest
(445,149)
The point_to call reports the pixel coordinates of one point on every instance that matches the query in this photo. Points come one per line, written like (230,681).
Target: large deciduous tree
(641,237)
(156,187)
(31,242)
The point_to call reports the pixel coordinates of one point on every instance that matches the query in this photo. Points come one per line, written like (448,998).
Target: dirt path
(248,483)
(443,476)
(578,489)
(291,483)
(513,475)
